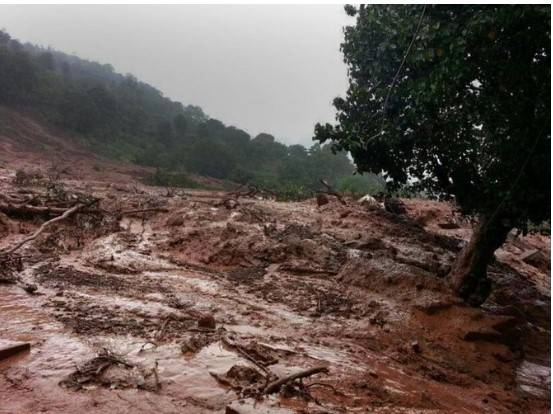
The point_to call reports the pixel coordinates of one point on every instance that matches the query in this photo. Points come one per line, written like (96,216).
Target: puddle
(53,352)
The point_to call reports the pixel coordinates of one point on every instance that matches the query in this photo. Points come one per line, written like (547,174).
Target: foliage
(454,98)
(165,178)
(292,192)
(359,185)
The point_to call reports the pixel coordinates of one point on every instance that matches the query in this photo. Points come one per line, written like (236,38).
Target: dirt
(186,310)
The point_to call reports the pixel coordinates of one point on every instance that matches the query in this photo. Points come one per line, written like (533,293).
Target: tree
(165,133)
(208,157)
(457,100)
(18,76)
(46,60)
(181,125)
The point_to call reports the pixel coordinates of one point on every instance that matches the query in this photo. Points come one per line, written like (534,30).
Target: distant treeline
(120,117)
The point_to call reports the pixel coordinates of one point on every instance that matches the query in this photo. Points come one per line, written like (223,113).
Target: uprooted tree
(455,100)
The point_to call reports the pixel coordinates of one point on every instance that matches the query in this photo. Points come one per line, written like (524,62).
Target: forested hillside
(120,117)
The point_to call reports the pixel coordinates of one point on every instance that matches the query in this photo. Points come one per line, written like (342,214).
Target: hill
(119,117)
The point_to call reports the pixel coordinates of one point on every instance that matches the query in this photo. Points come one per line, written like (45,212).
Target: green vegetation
(120,117)
(455,99)
(165,178)
(359,185)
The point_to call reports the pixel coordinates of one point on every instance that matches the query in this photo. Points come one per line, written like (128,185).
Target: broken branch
(241,351)
(44,225)
(145,210)
(275,385)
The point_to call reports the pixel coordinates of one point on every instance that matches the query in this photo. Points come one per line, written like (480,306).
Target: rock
(4,224)
(322,200)
(30,288)
(504,330)
(230,203)
(8,348)
(536,258)
(175,220)
(345,213)
(195,343)
(394,205)
(448,225)
(415,346)
(7,279)
(369,202)
(207,322)
(243,374)
(433,307)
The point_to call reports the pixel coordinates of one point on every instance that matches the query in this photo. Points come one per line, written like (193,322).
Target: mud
(117,323)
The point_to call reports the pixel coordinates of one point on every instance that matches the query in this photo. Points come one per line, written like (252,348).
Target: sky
(272,69)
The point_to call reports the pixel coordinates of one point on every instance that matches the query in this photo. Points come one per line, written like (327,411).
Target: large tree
(454,99)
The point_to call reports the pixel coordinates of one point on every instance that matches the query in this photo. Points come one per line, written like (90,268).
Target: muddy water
(53,352)
(187,385)
(373,365)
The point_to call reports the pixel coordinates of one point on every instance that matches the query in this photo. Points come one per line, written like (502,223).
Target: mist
(269,69)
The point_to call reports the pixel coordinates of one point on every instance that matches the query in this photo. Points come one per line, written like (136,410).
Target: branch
(275,385)
(66,214)
(144,210)
(242,352)
(29,209)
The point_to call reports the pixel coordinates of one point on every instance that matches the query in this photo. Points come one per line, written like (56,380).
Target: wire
(396,76)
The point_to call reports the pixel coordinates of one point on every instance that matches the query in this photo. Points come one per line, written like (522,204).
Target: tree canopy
(454,99)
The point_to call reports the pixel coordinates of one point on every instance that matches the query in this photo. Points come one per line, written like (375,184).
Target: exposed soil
(185,311)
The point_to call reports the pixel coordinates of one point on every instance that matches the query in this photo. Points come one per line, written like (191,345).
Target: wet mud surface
(182,311)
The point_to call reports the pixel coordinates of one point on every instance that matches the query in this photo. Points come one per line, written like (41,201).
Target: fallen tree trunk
(275,385)
(29,210)
(44,225)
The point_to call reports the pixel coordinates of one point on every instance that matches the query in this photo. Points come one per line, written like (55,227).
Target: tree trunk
(469,273)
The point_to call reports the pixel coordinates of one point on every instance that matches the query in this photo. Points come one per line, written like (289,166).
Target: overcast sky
(269,69)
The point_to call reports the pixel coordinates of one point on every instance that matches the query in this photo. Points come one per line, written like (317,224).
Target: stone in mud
(207,322)
(7,279)
(195,343)
(432,307)
(8,349)
(5,227)
(321,200)
(537,259)
(244,374)
(448,225)
(489,334)
(394,206)
(369,202)
(176,220)
(30,288)
(230,204)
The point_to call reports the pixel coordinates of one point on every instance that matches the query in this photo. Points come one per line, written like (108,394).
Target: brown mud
(182,311)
